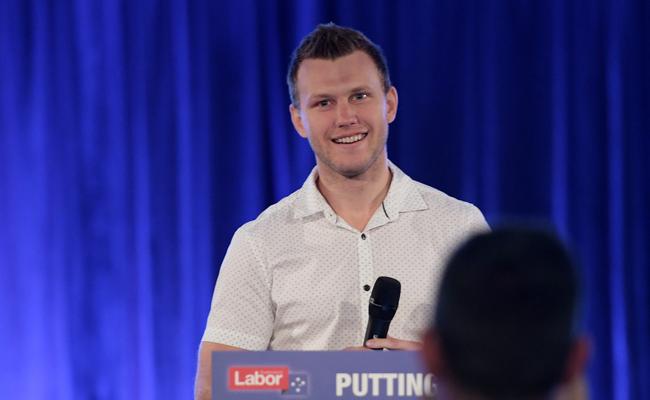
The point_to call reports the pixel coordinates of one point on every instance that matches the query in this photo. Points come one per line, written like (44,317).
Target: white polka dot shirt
(299,277)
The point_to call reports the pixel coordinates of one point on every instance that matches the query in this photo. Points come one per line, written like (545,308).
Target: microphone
(384,300)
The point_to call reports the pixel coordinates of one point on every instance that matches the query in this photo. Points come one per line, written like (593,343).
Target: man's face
(344,113)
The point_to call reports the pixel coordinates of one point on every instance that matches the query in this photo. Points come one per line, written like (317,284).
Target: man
(507,318)
(299,276)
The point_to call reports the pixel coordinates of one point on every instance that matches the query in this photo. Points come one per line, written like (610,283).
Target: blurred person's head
(506,324)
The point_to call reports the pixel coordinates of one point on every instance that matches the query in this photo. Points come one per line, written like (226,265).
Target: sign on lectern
(313,375)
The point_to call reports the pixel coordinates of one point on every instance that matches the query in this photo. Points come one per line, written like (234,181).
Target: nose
(345,115)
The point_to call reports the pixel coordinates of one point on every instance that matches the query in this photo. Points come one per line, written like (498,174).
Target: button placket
(366,273)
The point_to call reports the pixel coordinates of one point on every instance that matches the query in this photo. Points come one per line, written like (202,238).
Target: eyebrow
(319,97)
(360,89)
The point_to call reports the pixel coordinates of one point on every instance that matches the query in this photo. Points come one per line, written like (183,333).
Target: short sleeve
(241,314)
(476,222)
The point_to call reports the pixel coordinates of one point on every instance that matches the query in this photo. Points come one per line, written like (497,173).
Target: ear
(296,119)
(432,353)
(577,360)
(391,104)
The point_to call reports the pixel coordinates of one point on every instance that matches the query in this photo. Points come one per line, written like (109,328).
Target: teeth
(350,139)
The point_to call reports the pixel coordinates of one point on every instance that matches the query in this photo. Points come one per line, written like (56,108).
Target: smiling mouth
(350,139)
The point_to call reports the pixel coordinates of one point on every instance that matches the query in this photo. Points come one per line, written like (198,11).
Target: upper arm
(242,313)
(203,383)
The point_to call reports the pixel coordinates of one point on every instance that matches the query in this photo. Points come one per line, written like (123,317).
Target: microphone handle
(377,329)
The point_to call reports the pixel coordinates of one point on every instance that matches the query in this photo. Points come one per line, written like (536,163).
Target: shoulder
(277,217)
(450,212)
(438,200)
(253,241)
(435,203)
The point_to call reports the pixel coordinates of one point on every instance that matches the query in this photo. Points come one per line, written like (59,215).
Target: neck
(355,199)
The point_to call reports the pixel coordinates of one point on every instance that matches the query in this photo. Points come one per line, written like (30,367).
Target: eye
(323,103)
(359,96)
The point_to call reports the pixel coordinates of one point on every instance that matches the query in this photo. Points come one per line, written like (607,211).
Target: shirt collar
(403,196)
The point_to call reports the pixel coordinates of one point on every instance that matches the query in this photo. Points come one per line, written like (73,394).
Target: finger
(356,348)
(379,343)
(410,345)
(393,344)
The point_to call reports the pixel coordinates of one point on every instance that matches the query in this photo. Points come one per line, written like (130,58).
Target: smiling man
(299,277)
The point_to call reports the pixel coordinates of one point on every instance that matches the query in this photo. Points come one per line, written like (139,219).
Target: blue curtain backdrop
(136,136)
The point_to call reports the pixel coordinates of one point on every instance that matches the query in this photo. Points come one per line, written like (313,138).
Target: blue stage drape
(135,137)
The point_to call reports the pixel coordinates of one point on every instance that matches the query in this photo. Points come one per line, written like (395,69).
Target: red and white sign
(261,377)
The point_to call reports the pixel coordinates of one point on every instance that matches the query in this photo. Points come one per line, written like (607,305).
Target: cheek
(316,125)
(373,112)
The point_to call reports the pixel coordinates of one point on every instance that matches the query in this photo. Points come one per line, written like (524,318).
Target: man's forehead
(354,70)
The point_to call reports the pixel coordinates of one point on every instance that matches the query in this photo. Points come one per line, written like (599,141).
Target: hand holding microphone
(384,300)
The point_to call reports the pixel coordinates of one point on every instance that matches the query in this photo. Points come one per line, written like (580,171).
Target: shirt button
(363,236)
(366,287)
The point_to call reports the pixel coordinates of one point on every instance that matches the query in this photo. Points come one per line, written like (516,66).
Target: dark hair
(330,41)
(507,313)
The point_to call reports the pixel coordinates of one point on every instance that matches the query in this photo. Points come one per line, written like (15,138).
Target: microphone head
(384,298)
